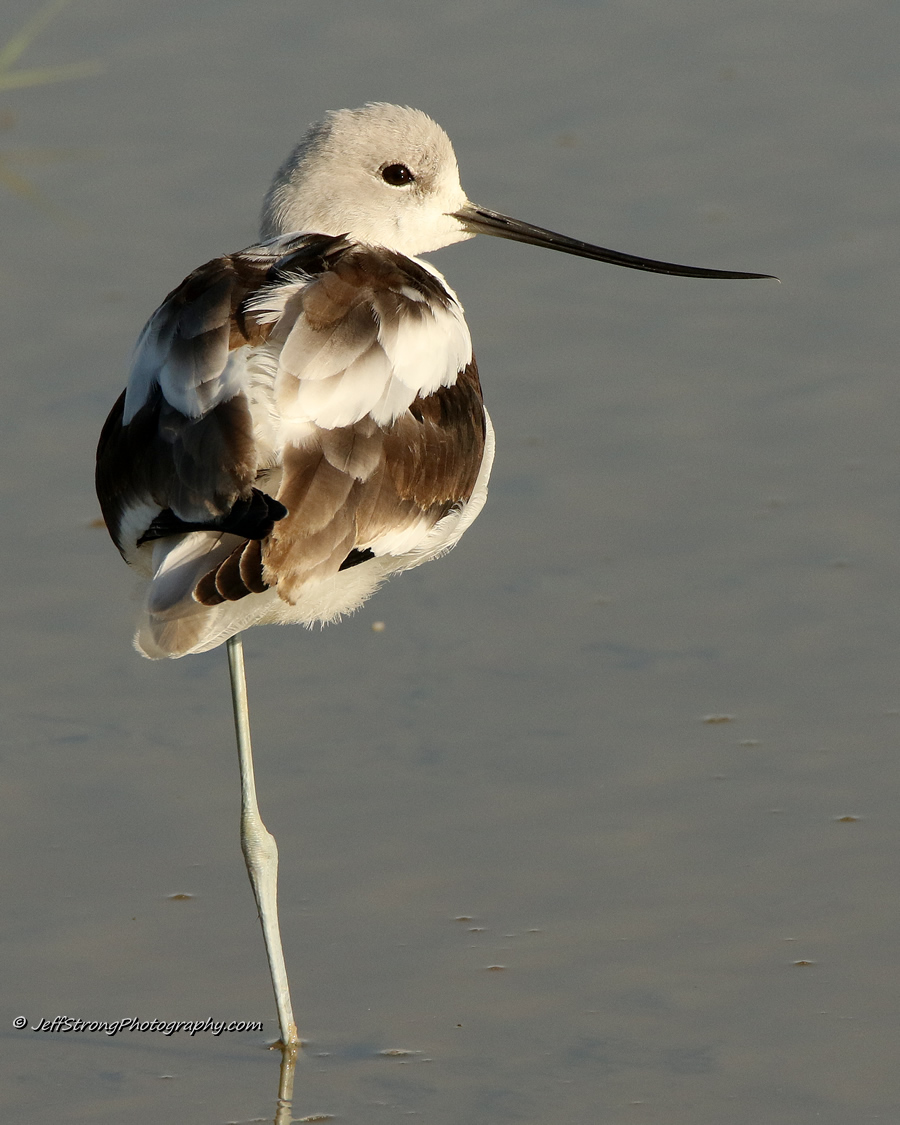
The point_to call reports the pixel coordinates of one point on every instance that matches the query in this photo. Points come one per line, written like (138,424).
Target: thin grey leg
(259,848)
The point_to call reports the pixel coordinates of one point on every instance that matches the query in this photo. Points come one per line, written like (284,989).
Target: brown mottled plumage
(288,506)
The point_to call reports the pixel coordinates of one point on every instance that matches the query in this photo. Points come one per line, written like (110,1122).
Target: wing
(294,411)
(381,415)
(179,451)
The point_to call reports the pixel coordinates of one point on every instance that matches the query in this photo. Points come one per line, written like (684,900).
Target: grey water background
(694,514)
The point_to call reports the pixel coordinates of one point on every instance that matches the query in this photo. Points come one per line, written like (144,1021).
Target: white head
(387,175)
(384,174)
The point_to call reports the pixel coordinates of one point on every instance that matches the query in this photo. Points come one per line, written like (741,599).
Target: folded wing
(295,412)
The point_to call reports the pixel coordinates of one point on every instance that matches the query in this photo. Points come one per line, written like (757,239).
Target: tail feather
(174,623)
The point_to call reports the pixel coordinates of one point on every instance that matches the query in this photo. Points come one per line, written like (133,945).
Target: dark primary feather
(197,468)
(356,557)
(252,518)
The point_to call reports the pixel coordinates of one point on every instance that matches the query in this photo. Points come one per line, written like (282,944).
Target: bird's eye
(397,175)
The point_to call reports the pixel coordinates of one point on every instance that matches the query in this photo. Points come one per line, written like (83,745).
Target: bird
(304,418)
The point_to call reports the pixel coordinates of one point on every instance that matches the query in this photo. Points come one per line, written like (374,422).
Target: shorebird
(304,418)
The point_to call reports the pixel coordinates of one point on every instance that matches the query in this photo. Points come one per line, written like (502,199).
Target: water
(694,514)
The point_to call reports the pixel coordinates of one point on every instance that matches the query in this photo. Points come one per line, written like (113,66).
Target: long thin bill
(479,220)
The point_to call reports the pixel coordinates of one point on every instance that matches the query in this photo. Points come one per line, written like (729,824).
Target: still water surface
(694,514)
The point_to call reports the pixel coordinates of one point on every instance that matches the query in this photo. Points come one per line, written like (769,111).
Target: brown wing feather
(435,451)
(359,483)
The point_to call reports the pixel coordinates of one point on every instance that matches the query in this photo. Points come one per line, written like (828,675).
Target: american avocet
(304,418)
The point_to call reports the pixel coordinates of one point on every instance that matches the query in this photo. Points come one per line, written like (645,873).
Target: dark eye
(397,175)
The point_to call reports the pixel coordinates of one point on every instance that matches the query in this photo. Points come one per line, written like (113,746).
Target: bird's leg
(283,1108)
(259,848)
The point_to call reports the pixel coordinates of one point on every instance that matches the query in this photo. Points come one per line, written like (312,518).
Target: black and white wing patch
(179,450)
